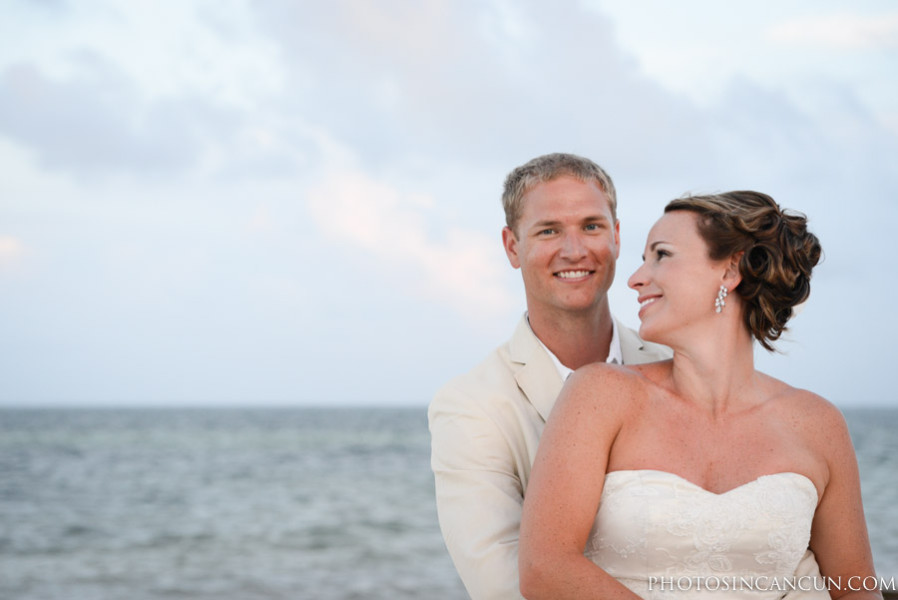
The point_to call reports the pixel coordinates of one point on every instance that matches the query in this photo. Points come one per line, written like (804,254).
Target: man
(562,233)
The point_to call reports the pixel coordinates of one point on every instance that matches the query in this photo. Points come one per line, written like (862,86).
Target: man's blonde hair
(546,168)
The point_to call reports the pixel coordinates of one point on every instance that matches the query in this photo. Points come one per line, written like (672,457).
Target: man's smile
(578,274)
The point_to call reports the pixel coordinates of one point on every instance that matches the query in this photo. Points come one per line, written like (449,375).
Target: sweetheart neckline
(720,494)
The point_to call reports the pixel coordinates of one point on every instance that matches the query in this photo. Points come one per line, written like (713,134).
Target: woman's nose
(637,279)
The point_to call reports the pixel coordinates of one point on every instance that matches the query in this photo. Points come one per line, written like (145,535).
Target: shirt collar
(615,354)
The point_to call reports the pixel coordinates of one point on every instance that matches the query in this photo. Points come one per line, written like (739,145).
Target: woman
(713,477)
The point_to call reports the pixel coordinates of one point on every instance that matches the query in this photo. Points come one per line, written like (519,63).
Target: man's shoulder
(494,374)
(494,389)
(656,351)
(637,351)
(488,412)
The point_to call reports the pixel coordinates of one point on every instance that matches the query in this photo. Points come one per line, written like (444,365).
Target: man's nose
(572,247)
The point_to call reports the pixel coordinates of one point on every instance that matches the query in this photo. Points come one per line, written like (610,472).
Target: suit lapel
(635,351)
(630,345)
(537,376)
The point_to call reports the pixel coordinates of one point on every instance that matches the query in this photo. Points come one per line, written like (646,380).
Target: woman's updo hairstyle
(779,253)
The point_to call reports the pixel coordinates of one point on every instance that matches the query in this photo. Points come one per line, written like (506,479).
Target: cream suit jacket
(485,426)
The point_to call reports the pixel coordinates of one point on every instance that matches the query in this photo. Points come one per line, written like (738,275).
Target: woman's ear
(732,277)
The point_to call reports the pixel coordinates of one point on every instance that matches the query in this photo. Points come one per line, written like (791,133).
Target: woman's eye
(662,253)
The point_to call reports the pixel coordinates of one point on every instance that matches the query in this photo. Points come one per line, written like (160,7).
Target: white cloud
(201,124)
(200,48)
(465,270)
(841,32)
(11,250)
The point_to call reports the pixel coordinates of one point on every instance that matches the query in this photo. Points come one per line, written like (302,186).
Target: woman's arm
(839,532)
(566,484)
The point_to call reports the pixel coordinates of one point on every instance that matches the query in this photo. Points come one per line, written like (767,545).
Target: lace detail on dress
(657,524)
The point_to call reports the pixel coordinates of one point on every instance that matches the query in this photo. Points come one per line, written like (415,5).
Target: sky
(248,203)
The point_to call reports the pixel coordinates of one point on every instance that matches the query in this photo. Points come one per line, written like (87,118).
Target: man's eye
(591,227)
(546,232)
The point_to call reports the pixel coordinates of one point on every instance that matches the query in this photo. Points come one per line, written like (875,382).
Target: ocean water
(262,504)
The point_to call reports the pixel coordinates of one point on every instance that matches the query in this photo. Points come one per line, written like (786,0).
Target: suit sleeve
(479,495)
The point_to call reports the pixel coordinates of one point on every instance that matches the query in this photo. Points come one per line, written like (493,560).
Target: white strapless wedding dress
(665,537)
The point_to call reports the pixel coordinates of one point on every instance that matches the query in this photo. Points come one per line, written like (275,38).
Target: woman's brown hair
(778,253)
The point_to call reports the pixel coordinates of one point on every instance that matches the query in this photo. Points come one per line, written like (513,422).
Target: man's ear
(617,239)
(732,277)
(510,242)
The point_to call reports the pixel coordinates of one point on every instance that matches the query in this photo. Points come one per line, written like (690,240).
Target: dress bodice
(666,537)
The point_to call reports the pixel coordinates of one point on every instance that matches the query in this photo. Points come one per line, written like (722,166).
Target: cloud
(11,250)
(395,126)
(99,122)
(196,48)
(96,125)
(464,270)
(87,95)
(840,32)
(462,79)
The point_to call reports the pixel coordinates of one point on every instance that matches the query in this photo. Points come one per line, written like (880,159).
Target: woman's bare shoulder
(600,373)
(606,386)
(595,403)
(813,414)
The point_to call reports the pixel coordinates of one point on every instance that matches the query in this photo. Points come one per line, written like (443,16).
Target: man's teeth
(572,274)
(646,302)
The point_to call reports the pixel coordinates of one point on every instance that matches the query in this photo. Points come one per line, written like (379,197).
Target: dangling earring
(720,301)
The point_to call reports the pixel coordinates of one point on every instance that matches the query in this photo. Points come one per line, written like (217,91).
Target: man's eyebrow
(556,222)
(545,223)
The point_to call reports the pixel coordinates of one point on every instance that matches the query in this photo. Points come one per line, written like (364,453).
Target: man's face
(566,244)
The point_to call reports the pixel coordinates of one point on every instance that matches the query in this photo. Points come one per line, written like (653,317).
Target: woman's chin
(649,333)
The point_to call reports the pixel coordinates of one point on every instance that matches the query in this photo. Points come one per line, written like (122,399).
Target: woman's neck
(716,371)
